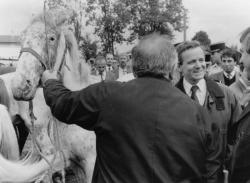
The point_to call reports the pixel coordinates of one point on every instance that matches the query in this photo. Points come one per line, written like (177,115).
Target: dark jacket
(219,77)
(223,108)
(147,131)
(241,154)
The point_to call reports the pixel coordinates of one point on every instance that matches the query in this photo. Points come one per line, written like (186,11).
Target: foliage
(140,17)
(203,38)
(109,26)
(88,47)
(147,16)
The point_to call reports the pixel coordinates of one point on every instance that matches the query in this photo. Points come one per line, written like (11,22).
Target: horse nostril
(28,82)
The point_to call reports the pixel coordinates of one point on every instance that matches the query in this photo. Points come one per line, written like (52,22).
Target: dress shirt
(200,93)
(230,75)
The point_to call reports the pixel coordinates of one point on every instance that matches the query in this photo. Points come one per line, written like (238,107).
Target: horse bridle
(35,54)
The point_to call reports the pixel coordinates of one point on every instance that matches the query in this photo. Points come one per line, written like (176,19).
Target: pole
(185,25)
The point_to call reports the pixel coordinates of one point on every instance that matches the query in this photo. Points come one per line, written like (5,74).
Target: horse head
(39,43)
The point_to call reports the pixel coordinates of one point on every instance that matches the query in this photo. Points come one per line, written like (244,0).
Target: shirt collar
(231,74)
(201,84)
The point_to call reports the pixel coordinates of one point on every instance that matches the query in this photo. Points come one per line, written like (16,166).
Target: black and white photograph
(124,91)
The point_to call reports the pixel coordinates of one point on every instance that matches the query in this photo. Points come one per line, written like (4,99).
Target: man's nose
(197,63)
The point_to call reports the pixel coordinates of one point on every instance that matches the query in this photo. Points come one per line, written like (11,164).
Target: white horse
(15,170)
(44,42)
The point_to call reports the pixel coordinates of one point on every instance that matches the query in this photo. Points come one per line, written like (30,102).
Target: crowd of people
(110,69)
(177,121)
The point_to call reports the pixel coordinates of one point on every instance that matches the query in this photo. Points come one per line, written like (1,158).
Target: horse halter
(35,54)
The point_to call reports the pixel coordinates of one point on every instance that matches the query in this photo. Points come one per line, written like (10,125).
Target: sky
(223,20)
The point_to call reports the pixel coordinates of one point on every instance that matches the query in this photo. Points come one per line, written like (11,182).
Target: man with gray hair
(141,136)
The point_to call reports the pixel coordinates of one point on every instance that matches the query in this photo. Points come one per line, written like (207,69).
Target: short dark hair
(153,55)
(229,53)
(184,46)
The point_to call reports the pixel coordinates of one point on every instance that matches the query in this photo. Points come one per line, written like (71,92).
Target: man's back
(156,136)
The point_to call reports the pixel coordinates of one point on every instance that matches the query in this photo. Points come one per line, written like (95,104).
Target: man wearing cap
(216,98)
(229,74)
(216,58)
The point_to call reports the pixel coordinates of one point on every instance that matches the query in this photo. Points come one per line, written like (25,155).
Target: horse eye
(52,39)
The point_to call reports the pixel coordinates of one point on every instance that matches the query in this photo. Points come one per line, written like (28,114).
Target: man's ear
(174,73)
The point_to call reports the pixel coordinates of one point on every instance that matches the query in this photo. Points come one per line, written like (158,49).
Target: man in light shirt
(215,97)
(101,66)
(229,74)
(109,62)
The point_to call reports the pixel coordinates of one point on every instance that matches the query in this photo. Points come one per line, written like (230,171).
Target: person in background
(109,61)
(123,67)
(141,119)
(216,98)
(57,177)
(101,65)
(111,69)
(92,65)
(240,166)
(216,50)
(229,74)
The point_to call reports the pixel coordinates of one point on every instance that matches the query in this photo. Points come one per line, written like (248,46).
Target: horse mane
(8,139)
(81,69)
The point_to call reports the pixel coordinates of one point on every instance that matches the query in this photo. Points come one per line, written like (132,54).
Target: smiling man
(219,101)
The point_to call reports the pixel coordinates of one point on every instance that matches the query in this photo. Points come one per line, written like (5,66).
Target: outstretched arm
(72,107)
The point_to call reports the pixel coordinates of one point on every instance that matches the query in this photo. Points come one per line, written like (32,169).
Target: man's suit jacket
(238,89)
(147,130)
(110,76)
(223,108)
(219,77)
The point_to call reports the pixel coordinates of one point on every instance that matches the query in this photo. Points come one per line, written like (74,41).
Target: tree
(203,38)
(88,47)
(140,17)
(109,26)
(163,16)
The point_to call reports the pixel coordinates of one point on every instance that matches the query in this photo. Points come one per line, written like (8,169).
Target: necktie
(229,76)
(194,88)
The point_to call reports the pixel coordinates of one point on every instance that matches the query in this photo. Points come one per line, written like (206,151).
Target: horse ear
(61,49)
